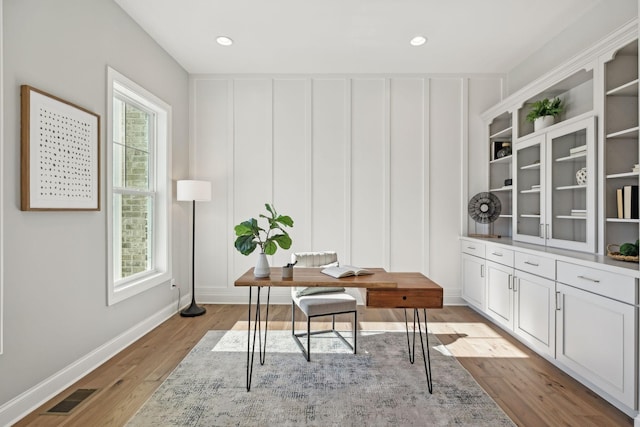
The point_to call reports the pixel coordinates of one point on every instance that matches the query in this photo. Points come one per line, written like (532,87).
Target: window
(139,189)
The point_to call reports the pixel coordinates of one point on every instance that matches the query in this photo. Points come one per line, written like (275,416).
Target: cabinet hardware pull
(473,248)
(589,279)
(541,234)
(532,263)
(496,253)
(515,288)
(510,281)
(482,270)
(558,301)
(546,234)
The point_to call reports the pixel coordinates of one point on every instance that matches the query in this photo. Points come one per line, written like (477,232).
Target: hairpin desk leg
(257,329)
(412,346)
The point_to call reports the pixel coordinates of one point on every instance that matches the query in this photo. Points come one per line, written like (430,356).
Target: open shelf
(533,190)
(504,159)
(571,217)
(530,215)
(573,187)
(502,133)
(507,188)
(626,89)
(623,175)
(625,133)
(531,166)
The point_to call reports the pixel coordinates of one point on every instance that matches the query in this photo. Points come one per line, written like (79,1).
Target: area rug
(376,387)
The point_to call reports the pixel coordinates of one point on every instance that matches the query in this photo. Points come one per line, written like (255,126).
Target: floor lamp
(192,191)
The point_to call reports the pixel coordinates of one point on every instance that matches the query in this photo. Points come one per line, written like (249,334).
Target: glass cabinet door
(530,190)
(571,196)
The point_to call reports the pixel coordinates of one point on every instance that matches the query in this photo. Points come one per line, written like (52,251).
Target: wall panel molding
(360,155)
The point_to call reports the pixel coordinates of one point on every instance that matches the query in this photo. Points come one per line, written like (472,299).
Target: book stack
(579,212)
(577,150)
(627,202)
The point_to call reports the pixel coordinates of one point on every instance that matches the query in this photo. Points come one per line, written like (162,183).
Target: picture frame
(59,154)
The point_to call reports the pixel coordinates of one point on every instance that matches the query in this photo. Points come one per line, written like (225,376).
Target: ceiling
(353,36)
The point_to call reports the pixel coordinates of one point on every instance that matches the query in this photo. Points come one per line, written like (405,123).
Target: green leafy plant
(251,235)
(545,107)
(630,249)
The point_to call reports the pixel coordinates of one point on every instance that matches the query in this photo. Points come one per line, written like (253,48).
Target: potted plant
(250,236)
(544,112)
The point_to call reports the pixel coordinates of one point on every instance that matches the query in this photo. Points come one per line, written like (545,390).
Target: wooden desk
(380,290)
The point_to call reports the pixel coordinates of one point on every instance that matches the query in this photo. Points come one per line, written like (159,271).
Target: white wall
(56,318)
(369,166)
(594,25)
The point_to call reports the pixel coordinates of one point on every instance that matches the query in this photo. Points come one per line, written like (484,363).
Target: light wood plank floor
(529,389)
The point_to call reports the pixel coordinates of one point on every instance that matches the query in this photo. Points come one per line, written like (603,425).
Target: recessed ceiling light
(418,41)
(224,41)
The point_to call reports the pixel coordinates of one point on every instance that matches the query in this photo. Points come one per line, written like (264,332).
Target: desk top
(313,277)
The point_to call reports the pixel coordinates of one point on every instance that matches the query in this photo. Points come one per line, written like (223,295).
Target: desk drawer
(608,284)
(535,264)
(404,298)
(472,247)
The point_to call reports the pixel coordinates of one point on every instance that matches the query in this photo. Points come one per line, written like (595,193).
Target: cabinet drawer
(500,255)
(472,247)
(608,284)
(404,298)
(535,264)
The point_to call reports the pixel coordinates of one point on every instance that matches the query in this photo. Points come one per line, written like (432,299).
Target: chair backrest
(314,259)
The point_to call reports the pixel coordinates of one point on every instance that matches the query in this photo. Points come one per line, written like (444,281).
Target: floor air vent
(73,400)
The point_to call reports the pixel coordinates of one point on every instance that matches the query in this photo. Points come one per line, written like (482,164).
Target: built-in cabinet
(568,192)
(581,315)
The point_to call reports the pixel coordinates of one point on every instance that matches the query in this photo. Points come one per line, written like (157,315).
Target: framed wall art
(60,154)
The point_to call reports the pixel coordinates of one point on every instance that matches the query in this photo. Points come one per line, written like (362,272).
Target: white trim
(25,403)
(161,272)
(426,173)
(1,184)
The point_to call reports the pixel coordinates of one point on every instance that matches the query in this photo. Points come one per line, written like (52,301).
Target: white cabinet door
(534,311)
(473,283)
(500,294)
(595,339)
(529,209)
(571,196)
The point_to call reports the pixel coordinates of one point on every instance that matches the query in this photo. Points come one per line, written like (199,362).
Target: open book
(345,271)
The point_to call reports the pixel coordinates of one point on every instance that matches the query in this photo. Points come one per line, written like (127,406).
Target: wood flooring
(528,388)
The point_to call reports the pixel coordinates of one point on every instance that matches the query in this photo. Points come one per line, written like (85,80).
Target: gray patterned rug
(376,387)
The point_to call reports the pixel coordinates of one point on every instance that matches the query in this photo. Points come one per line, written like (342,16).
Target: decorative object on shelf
(625,252)
(60,151)
(581,176)
(484,208)
(544,112)
(508,182)
(250,236)
(192,191)
(504,151)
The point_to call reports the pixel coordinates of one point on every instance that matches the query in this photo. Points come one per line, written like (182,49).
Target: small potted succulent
(544,112)
(250,236)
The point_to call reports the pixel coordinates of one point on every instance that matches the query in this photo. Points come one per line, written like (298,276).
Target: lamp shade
(189,190)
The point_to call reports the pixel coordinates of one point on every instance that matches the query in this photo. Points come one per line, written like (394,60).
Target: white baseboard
(23,404)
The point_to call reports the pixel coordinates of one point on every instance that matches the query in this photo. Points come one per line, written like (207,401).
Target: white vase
(262,268)
(543,122)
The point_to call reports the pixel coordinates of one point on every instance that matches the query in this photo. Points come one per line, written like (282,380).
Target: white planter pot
(543,122)
(262,268)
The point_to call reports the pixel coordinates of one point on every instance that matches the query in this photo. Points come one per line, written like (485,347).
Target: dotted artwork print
(63,146)
(66,156)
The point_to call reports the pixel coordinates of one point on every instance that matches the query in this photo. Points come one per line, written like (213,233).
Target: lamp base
(192,311)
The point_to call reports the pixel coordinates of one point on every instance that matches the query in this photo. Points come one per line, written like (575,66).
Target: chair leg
(293,318)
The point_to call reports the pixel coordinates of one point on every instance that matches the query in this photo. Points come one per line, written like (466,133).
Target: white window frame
(160,272)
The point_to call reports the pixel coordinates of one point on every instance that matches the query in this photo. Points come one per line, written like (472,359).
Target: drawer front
(472,247)
(535,264)
(404,298)
(608,284)
(500,255)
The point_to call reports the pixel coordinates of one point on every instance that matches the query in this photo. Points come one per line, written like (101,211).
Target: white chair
(316,302)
